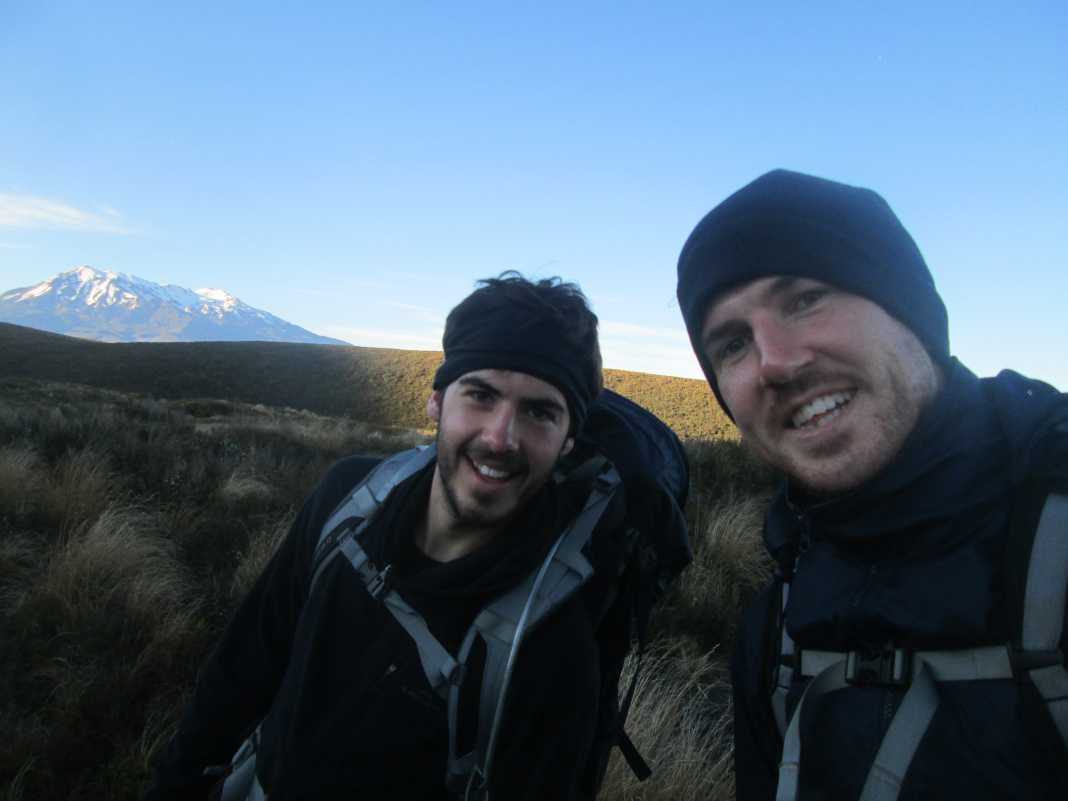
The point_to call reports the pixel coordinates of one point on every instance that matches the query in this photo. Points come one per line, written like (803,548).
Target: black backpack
(620,552)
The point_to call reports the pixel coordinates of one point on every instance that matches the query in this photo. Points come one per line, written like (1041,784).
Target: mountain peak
(114,306)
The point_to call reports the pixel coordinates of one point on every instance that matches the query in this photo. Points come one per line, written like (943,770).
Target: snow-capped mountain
(117,307)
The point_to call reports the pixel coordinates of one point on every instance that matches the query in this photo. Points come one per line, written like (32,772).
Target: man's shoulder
(346,473)
(342,477)
(1034,418)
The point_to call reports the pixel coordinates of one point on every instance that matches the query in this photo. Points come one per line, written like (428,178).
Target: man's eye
(479,395)
(542,415)
(731,348)
(808,299)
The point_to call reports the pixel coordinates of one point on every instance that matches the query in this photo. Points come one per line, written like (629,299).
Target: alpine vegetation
(130,528)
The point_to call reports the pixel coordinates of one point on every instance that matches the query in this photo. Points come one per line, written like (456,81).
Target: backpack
(620,552)
(1036,572)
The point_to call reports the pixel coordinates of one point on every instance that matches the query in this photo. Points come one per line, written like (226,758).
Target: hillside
(378,385)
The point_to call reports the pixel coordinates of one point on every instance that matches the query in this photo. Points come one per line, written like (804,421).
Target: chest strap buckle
(879,666)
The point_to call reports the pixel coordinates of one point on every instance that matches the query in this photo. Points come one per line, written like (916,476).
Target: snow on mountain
(118,307)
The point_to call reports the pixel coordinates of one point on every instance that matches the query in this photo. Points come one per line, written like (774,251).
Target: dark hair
(544,328)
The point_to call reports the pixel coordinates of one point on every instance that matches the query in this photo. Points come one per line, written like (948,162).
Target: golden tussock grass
(254,558)
(21,478)
(679,721)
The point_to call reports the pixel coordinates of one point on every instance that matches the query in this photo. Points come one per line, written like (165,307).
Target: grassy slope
(377,385)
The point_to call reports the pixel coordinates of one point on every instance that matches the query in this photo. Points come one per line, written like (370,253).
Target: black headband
(536,346)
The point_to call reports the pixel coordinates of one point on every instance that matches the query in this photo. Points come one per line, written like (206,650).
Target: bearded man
(323,661)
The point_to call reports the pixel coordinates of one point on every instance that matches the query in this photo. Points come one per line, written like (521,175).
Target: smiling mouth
(490,473)
(820,410)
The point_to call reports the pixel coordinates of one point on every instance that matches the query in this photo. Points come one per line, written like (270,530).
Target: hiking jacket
(915,558)
(346,708)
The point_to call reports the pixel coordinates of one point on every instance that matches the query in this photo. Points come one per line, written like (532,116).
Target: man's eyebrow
(540,402)
(779,286)
(721,331)
(545,403)
(478,383)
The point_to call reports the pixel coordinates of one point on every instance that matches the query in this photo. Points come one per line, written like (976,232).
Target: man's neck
(441,538)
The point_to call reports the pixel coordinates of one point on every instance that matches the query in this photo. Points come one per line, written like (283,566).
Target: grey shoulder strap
(1044,600)
(351,516)
(503,625)
(783,674)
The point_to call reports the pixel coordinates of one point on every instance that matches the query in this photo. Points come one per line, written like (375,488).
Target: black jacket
(915,557)
(347,710)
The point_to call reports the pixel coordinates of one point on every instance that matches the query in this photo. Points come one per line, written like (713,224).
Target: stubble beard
(907,393)
(466,517)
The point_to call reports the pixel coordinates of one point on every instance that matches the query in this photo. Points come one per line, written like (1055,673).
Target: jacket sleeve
(236,684)
(757,744)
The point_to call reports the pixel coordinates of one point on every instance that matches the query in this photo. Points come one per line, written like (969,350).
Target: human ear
(433,405)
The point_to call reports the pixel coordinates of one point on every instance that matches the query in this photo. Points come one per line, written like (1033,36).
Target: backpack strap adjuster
(379,583)
(881,666)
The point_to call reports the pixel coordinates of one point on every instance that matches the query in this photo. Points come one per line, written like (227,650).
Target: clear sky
(355,167)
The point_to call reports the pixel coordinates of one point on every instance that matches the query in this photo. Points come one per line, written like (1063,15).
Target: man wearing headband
(911,644)
(333,685)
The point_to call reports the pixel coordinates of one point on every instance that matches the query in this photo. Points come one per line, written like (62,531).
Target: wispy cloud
(29,211)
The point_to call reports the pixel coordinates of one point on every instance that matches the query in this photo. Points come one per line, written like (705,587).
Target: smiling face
(823,384)
(500,433)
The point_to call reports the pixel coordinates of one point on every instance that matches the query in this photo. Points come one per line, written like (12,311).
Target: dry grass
(254,558)
(729,566)
(243,487)
(118,563)
(679,721)
(21,479)
(81,488)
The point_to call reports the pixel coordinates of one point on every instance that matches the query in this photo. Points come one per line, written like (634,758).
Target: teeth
(489,472)
(820,406)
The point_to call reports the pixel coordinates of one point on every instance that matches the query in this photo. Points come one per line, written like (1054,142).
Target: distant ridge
(380,385)
(117,307)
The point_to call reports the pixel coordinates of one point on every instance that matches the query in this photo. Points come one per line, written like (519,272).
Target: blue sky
(354,168)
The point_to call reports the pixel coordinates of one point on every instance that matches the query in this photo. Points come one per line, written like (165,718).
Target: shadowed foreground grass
(131,527)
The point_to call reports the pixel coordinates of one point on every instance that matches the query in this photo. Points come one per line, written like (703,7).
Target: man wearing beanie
(335,684)
(912,642)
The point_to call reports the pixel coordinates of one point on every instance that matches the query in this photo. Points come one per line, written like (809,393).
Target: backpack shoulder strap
(352,515)
(782,651)
(1042,623)
(341,535)
(504,623)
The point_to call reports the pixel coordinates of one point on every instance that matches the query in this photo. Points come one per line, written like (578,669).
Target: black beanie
(507,338)
(788,223)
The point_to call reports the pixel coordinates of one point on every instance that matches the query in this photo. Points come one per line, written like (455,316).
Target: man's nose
(782,352)
(499,433)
